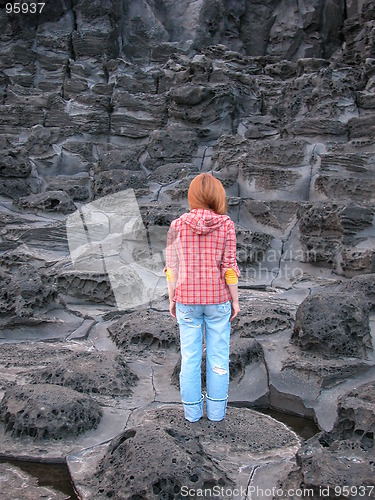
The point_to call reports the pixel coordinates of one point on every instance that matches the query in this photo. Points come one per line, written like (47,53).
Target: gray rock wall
(276,98)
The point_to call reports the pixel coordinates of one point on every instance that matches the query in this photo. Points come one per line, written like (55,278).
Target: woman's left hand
(235,310)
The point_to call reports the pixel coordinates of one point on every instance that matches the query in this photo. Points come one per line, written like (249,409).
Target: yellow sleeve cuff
(231,277)
(169,274)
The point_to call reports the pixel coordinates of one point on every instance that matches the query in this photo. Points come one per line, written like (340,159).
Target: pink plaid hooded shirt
(201,247)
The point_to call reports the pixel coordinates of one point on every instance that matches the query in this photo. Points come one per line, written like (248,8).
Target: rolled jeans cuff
(193,410)
(216,408)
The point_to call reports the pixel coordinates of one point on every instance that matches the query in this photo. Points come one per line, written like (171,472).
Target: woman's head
(206,191)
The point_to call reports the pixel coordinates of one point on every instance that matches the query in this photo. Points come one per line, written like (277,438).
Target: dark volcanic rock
(331,235)
(88,372)
(157,217)
(112,157)
(263,318)
(26,291)
(30,354)
(45,411)
(7,303)
(336,180)
(321,233)
(113,181)
(365,285)
(51,201)
(253,28)
(357,29)
(251,247)
(340,472)
(156,331)
(22,238)
(14,164)
(166,174)
(15,188)
(170,146)
(326,372)
(243,353)
(188,455)
(356,417)
(90,286)
(276,99)
(78,188)
(137,115)
(126,471)
(341,461)
(333,324)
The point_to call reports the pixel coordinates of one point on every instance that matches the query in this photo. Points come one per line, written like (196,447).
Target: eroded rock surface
(156,331)
(365,285)
(194,456)
(43,411)
(264,318)
(343,456)
(331,234)
(93,287)
(92,373)
(26,291)
(356,417)
(333,324)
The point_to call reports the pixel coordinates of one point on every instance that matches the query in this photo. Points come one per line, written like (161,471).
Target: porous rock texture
(47,412)
(355,416)
(103,102)
(25,291)
(189,456)
(345,455)
(333,324)
(95,373)
(363,284)
(155,331)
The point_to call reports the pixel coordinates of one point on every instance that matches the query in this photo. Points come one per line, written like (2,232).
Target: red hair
(205,191)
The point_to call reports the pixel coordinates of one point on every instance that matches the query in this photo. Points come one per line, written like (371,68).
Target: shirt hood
(203,221)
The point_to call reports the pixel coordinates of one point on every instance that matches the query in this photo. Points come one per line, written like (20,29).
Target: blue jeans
(213,319)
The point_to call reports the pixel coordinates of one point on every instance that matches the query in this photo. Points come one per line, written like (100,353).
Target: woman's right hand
(235,310)
(172,308)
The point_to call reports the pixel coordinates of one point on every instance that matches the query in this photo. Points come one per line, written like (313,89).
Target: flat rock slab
(56,324)
(162,455)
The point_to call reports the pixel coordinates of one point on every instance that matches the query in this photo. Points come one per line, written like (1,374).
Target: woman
(202,276)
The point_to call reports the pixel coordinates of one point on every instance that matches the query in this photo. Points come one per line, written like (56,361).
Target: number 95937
(24,8)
